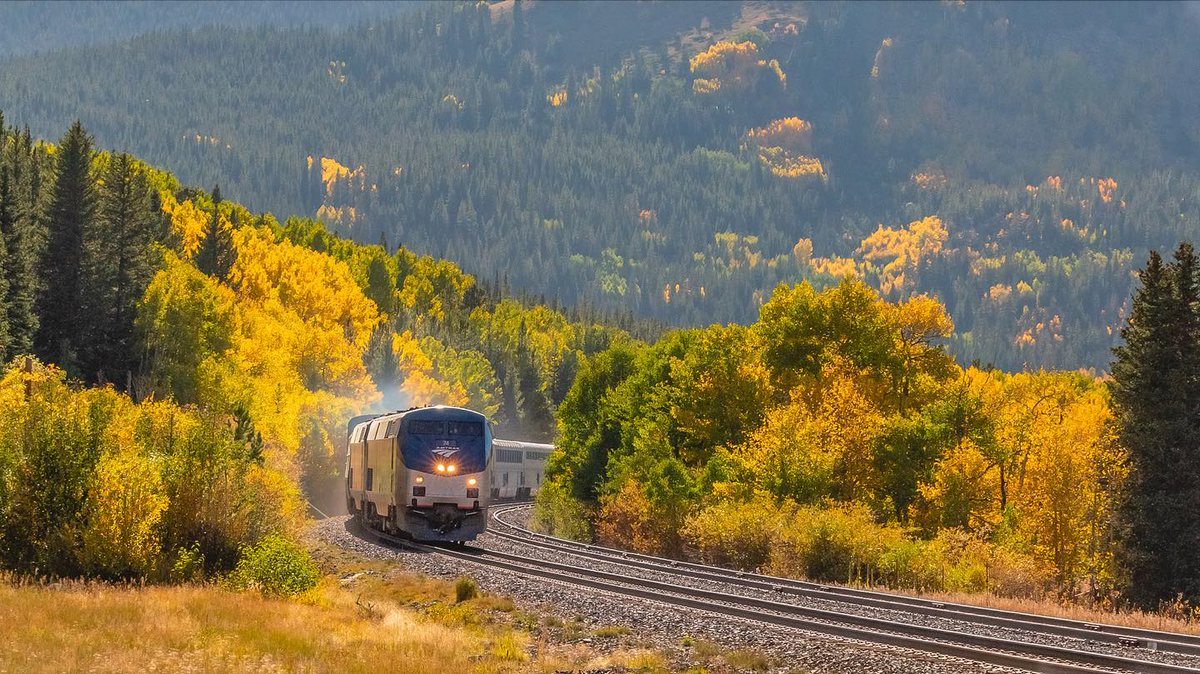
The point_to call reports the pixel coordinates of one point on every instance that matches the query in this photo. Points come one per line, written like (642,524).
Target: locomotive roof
(431,412)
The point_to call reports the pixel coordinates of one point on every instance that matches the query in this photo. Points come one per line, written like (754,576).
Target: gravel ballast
(656,625)
(533,551)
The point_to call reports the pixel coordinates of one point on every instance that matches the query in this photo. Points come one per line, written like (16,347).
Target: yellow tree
(188,223)
(430,288)
(466,370)
(126,502)
(732,68)
(802,329)
(420,383)
(819,444)
(785,147)
(1063,500)
(186,319)
(921,363)
(896,256)
(966,481)
(719,392)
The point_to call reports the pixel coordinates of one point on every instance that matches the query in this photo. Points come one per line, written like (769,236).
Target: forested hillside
(27,26)
(682,159)
(836,439)
(180,370)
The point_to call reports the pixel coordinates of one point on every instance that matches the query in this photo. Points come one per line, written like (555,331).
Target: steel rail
(780,585)
(977,648)
(1174,642)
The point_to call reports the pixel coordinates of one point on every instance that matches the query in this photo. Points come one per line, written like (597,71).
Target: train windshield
(458,445)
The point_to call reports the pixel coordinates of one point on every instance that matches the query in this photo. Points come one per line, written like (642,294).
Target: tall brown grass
(365,616)
(104,628)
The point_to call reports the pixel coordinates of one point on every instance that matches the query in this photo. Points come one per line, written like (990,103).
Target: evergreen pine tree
(215,256)
(17,226)
(7,222)
(379,358)
(19,204)
(120,260)
(72,207)
(1156,388)
(534,409)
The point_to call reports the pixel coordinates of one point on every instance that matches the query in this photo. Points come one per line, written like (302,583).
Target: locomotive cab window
(424,427)
(470,428)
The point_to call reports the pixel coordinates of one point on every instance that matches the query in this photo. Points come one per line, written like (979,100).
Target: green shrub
(736,534)
(189,565)
(909,564)
(275,566)
(555,512)
(841,544)
(465,589)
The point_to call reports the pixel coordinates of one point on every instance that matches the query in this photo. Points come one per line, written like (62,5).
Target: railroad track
(1131,637)
(1029,656)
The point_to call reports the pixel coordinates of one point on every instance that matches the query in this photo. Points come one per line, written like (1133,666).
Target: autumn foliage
(240,348)
(895,257)
(785,146)
(732,67)
(845,444)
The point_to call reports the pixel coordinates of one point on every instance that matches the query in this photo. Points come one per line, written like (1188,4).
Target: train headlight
(441,467)
(472,482)
(450,468)
(419,479)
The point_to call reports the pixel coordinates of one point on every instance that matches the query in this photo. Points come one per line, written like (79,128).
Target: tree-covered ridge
(678,168)
(27,26)
(181,369)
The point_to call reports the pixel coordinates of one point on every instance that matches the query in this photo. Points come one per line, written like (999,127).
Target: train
(430,473)
(518,469)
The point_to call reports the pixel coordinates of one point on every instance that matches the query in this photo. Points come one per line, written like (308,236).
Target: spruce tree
(7,222)
(379,358)
(537,419)
(18,229)
(72,207)
(1156,396)
(215,256)
(120,259)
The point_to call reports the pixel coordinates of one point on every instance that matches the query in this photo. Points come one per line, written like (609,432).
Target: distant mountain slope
(29,26)
(1015,159)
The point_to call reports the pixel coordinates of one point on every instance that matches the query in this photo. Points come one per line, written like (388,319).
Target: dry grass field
(364,617)
(97,628)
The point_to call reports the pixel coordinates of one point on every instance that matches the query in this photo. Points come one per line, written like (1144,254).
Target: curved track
(1019,654)
(1132,637)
